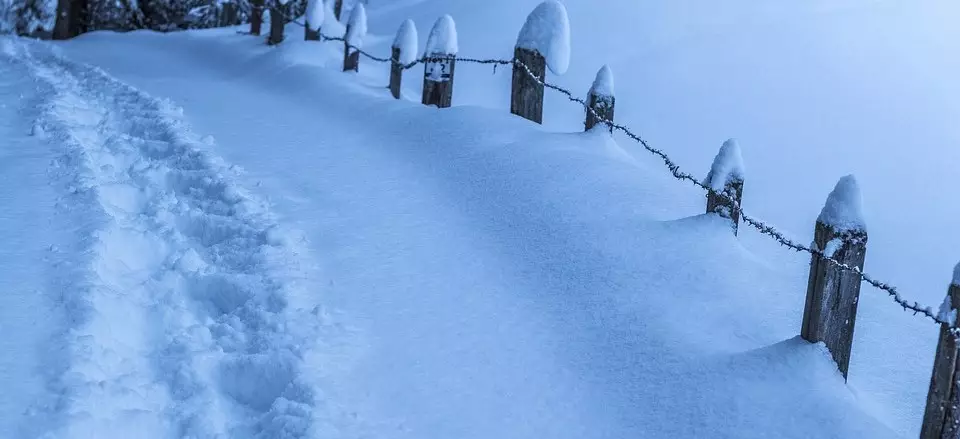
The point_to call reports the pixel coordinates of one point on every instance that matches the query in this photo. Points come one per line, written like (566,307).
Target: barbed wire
(762,227)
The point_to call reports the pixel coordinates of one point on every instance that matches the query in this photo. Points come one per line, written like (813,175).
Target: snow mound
(406,41)
(727,166)
(844,208)
(547,31)
(357,26)
(603,84)
(315,14)
(443,37)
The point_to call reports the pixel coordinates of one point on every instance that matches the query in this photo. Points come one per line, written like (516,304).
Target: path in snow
(188,313)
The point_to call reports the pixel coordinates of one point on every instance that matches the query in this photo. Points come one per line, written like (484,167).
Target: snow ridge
(194,320)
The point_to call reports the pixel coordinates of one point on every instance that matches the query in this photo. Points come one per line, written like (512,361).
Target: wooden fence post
(725,181)
(313,20)
(404,51)
(277,22)
(546,33)
(601,100)
(353,39)
(438,70)
(830,312)
(256,16)
(941,418)
(71,19)
(526,94)
(228,14)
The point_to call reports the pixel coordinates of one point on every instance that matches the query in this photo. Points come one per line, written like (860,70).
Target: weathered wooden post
(256,16)
(71,19)
(544,40)
(941,418)
(404,51)
(277,22)
(314,16)
(725,181)
(228,14)
(440,64)
(600,99)
(830,312)
(337,9)
(353,40)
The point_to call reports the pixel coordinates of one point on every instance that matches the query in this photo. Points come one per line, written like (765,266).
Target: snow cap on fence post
(941,417)
(600,99)
(543,40)
(402,53)
(315,17)
(547,31)
(357,26)
(443,38)
(833,287)
(438,69)
(844,207)
(353,39)
(725,181)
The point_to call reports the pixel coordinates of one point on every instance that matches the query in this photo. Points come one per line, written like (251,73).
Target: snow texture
(357,26)
(727,166)
(956,274)
(443,37)
(407,41)
(315,14)
(547,31)
(844,209)
(947,312)
(603,83)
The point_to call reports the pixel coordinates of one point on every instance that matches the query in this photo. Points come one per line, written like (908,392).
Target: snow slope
(495,278)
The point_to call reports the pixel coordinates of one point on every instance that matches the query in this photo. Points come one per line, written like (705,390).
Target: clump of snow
(727,166)
(315,14)
(406,41)
(443,37)
(603,84)
(844,208)
(956,274)
(947,312)
(547,31)
(357,26)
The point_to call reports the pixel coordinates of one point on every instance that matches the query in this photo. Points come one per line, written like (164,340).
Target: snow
(443,37)
(947,312)
(727,166)
(406,41)
(844,209)
(357,26)
(956,274)
(484,277)
(547,31)
(315,14)
(603,83)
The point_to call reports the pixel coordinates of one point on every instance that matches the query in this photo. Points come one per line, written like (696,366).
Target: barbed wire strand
(762,227)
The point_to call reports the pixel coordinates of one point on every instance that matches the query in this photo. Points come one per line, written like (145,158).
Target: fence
(840,239)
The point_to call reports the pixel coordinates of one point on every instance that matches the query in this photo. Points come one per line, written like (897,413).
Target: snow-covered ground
(213,238)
